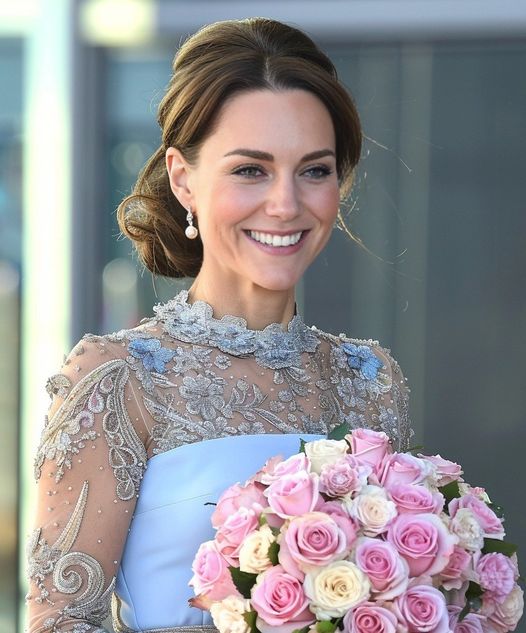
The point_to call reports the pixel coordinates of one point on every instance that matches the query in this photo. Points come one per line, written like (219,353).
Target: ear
(178,172)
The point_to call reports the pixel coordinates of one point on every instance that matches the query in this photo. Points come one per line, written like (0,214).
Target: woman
(259,144)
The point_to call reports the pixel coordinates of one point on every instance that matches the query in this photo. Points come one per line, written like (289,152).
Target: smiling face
(264,189)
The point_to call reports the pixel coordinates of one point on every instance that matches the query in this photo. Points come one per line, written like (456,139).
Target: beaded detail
(272,347)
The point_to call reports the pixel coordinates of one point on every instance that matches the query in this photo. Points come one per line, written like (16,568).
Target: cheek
(327,203)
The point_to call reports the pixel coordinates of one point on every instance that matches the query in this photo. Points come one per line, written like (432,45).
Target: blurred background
(439,201)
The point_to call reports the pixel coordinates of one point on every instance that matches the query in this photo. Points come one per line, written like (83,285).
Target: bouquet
(350,535)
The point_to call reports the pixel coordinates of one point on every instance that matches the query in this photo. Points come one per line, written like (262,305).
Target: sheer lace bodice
(180,377)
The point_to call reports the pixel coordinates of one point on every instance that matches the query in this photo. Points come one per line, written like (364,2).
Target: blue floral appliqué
(362,358)
(153,356)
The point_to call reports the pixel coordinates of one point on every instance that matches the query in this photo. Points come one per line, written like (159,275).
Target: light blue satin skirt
(172,519)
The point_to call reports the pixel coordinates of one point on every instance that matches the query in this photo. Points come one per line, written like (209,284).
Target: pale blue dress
(149,425)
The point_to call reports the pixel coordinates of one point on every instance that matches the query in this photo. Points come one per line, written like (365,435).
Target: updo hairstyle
(219,61)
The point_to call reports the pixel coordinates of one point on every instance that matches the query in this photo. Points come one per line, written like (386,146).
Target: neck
(258,306)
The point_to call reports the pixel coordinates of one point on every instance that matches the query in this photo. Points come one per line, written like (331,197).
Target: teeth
(276,240)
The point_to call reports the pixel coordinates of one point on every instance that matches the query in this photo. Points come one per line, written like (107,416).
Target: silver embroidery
(58,385)
(127,455)
(63,565)
(272,347)
(42,558)
(60,439)
(100,391)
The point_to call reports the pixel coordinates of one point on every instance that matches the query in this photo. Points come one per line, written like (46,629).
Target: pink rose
(402,468)
(422,609)
(235,497)
(339,514)
(488,520)
(343,477)
(496,575)
(416,499)
(314,539)
(369,618)
(211,573)
(274,470)
(387,571)
(369,447)
(472,623)
(279,599)
(445,470)
(293,495)
(231,534)
(457,564)
(424,541)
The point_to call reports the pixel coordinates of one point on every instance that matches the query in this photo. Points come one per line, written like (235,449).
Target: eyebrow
(258,155)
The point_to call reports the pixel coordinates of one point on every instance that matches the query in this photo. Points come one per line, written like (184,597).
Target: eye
(317,172)
(248,171)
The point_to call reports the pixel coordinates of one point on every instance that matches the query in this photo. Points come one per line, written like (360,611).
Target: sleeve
(391,410)
(88,469)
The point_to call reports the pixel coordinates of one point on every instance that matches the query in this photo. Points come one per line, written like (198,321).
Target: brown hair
(220,60)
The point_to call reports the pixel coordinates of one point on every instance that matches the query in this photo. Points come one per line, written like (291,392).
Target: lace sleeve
(392,407)
(88,469)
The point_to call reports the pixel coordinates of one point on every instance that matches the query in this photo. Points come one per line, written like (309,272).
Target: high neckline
(273,347)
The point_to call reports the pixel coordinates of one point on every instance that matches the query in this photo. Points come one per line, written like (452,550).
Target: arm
(88,470)
(392,412)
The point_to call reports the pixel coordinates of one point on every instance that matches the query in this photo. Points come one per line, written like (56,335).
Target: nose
(283,199)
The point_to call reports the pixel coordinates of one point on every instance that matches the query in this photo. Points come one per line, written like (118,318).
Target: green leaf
(473,591)
(450,491)
(325,626)
(262,519)
(250,619)
(339,432)
(273,553)
(242,580)
(473,600)
(304,629)
(501,547)
(302,446)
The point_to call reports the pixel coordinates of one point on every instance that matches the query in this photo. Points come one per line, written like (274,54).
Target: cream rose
(373,509)
(253,555)
(322,452)
(469,531)
(228,615)
(335,589)
(507,615)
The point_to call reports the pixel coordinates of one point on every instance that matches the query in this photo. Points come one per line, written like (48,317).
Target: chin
(278,284)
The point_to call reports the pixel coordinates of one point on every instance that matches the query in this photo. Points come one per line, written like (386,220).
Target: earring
(191,231)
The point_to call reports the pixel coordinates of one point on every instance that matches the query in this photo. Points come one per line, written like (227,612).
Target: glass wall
(11,74)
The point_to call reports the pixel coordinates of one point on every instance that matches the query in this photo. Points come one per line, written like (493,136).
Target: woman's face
(264,189)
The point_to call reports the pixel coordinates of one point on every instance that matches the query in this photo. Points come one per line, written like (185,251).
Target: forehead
(270,120)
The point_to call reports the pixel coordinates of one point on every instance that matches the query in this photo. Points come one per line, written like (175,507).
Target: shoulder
(366,356)
(94,356)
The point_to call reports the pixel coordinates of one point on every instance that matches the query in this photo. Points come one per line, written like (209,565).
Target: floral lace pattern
(182,376)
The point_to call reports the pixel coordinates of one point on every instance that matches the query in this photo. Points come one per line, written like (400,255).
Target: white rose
(228,615)
(322,452)
(336,588)
(373,509)
(468,529)
(253,555)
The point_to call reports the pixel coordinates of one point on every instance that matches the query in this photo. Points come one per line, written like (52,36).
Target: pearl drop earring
(191,231)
